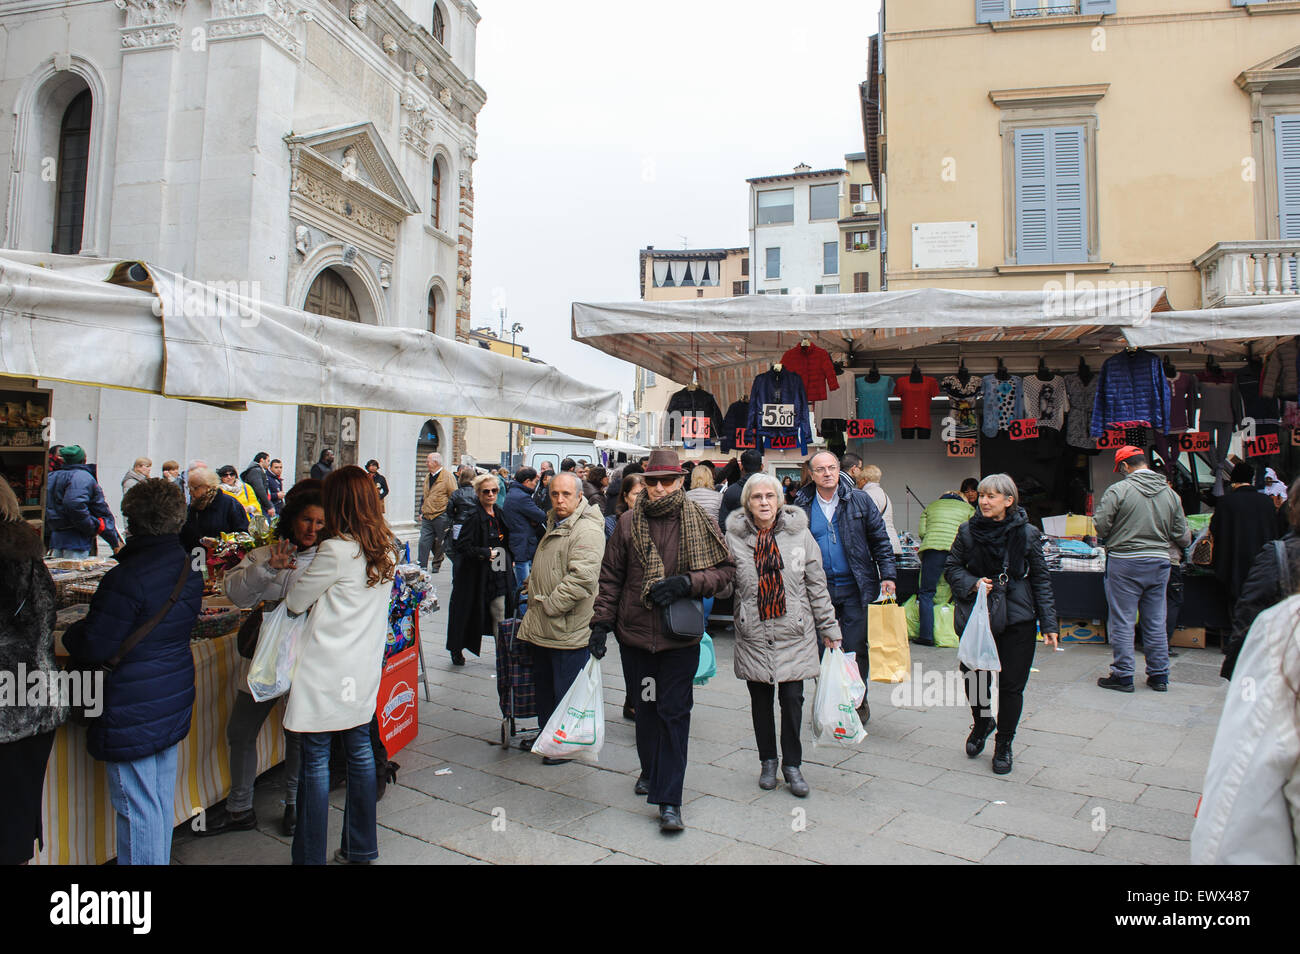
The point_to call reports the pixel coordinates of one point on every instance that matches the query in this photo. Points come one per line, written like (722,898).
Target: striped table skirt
(77,815)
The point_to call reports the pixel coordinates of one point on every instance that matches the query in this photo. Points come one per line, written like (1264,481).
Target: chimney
(803,167)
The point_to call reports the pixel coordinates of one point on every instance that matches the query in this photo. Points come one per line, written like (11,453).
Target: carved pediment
(1276,74)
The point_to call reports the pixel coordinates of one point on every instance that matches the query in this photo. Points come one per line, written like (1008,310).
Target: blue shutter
(986,11)
(1286,130)
(1068,196)
(1243,3)
(1096,6)
(1033,243)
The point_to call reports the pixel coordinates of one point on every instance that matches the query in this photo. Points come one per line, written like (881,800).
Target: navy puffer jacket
(860,525)
(148,700)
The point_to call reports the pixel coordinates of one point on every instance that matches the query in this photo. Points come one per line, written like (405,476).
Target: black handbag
(249,630)
(684,618)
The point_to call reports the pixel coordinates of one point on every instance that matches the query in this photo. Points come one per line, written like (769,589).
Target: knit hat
(1242,473)
(73,454)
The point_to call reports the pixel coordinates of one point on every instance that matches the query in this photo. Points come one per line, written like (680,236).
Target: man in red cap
(664,549)
(1139,518)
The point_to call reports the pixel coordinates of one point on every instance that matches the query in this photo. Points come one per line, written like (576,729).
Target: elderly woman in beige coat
(782,606)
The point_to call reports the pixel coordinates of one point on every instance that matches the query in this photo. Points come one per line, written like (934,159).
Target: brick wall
(464,256)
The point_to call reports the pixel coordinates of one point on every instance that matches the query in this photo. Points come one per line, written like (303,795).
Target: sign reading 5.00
(778,415)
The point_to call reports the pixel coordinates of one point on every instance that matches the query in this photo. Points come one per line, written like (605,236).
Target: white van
(555,447)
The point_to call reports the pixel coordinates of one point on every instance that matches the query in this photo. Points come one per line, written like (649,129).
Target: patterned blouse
(1045,400)
(1078,421)
(961,403)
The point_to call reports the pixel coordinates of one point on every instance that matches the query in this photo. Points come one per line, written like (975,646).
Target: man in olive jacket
(561,594)
(439,485)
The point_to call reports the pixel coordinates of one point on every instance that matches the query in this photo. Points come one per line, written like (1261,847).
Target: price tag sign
(778,415)
(783,442)
(744,438)
(1024,429)
(1263,446)
(1111,440)
(695,426)
(1295,437)
(1194,441)
(861,428)
(962,447)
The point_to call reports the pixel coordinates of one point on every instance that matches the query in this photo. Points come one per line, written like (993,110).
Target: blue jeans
(143,793)
(360,829)
(852,616)
(553,673)
(1135,592)
(62,553)
(932,562)
(521,574)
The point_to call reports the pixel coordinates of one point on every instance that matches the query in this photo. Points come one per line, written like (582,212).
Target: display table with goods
(25,425)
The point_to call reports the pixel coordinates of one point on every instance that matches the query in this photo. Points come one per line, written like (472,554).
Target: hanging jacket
(1220,400)
(780,387)
(693,403)
(1280,371)
(1131,387)
(736,418)
(1257,405)
(814,367)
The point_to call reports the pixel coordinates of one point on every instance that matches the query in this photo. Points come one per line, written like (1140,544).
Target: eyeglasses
(824,470)
(489,491)
(656,481)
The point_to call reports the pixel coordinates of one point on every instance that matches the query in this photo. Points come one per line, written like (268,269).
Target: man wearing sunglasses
(664,549)
(856,552)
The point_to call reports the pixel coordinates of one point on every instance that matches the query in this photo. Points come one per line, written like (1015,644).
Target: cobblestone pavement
(1100,778)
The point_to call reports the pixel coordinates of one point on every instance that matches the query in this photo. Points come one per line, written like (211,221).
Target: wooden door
(328,427)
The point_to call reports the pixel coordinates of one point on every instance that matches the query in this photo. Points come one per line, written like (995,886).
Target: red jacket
(813,364)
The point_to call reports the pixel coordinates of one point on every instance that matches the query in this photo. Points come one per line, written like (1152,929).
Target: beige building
(859,229)
(1108,141)
(676,276)
(485,440)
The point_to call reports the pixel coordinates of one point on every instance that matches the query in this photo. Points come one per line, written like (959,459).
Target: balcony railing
(1020,8)
(1247,273)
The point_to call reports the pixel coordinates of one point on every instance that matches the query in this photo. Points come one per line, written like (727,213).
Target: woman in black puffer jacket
(999,549)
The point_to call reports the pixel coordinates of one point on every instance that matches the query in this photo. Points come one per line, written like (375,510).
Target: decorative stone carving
(467,153)
(389,44)
(349,254)
(385,275)
(358,14)
(421,71)
(322,194)
(150,24)
(444,97)
(277,20)
(350,164)
(302,240)
(417,123)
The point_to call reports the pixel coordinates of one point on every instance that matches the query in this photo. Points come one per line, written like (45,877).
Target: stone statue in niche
(302,239)
(349,164)
(389,44)
(385,275)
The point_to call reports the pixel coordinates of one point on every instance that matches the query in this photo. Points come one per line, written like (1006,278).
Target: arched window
(437,193)
(433,311)
(70,196)
(439,27)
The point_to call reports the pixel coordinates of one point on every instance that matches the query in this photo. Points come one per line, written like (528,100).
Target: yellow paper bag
(888,653)
(1078,525)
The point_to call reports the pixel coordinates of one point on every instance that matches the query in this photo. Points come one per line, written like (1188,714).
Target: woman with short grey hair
(1001,551)
(782,606)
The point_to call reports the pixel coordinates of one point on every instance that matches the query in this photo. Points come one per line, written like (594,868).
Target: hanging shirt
(1132,388)
(1220,399)
(961,402)
(1045,400)
(1078,421)
(813,365)
(1183,399)
(873,404)
(1003,403)
(916,400)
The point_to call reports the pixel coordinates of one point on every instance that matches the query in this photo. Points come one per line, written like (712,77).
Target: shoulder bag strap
(144,629)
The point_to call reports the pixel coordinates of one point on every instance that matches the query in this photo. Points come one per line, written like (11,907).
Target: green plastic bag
(912,610)
(942,592)
(708,667)
(945,629)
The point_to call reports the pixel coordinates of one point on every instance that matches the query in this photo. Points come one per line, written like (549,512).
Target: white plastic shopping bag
(977,649)
(856,683)
(576,730)
(278,641)
(835,716)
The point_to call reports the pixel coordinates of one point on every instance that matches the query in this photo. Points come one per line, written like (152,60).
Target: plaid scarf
(700,547)
(771,585)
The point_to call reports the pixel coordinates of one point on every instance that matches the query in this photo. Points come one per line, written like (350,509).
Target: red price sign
(1295,437)
(744,438)
(695,426)
(962,447)
(1263,446)
(1111,440)
(1194,441)
(1024,429)
(783,442)
(861,428)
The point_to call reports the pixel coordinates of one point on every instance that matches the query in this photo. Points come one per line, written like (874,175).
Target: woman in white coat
(347,588)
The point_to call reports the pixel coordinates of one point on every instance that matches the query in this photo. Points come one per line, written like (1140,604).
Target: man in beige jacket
(439,485)
(562,594)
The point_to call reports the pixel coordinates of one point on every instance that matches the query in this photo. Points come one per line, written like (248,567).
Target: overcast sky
(611,125)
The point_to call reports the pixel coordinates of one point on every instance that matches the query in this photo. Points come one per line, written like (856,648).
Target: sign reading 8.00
(778,415)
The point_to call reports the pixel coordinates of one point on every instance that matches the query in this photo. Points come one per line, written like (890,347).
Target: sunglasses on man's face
(656,481)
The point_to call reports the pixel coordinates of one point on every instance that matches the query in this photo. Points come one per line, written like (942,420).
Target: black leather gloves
(670,589)
(599,636)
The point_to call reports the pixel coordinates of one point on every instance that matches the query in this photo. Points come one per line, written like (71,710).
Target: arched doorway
(429,442)
(334,428)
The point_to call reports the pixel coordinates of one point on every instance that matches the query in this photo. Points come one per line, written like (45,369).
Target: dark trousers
(632,688)
(1016,645)
(553,673)
(790,695)
(432,533)
(663,721)
(932,563)
(852,617)
(1173,598)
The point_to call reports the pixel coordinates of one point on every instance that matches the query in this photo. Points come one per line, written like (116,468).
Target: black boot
(794,778)
(670,818)
(1001,758)
(767,775)
(642,785)
(979,734)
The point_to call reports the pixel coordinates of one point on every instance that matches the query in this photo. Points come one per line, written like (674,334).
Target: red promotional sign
(1193,441)
(783,442)
(695,426)
(962,447)
(1024,429)
(1111,440)
(861,428)
(398,705)
(1295,437)
(1263,446)
(744,438)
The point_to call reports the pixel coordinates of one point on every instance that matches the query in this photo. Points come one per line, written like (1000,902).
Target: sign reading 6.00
(1194,441)
(778,415)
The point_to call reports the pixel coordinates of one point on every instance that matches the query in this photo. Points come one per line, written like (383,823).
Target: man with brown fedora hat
(664,549)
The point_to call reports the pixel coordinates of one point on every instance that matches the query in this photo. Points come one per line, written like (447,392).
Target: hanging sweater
(693,403)
(1045,400)
(813,365)
(1184,397)
(1132,387)
(1281,370)
(1220,399)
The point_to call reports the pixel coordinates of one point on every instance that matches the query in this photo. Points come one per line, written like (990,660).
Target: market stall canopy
(1260,325)
(621,447)
(136,326)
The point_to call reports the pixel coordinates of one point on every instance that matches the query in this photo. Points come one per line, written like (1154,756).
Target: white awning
(86,321)
(621,447)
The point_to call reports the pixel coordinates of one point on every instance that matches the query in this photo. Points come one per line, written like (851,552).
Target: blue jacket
(149,697)
(74,506)
(525,520)
(783,387)
(1131,387)
(866,542)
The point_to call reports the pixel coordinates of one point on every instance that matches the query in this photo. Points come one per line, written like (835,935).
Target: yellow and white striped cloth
(77,815)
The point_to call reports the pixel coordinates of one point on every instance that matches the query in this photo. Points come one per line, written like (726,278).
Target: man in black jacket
(1273,577)
(1244,520)
(255,477)
(751,463)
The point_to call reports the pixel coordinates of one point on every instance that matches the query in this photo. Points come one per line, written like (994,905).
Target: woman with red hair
(340,657)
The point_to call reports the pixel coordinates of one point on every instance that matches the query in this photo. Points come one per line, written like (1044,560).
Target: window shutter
(986,11)
(848,241)
(1069,221)
(1243,3)
(855,193)
(1096,6)
(1286,130)
(861,282)
(1032,241)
